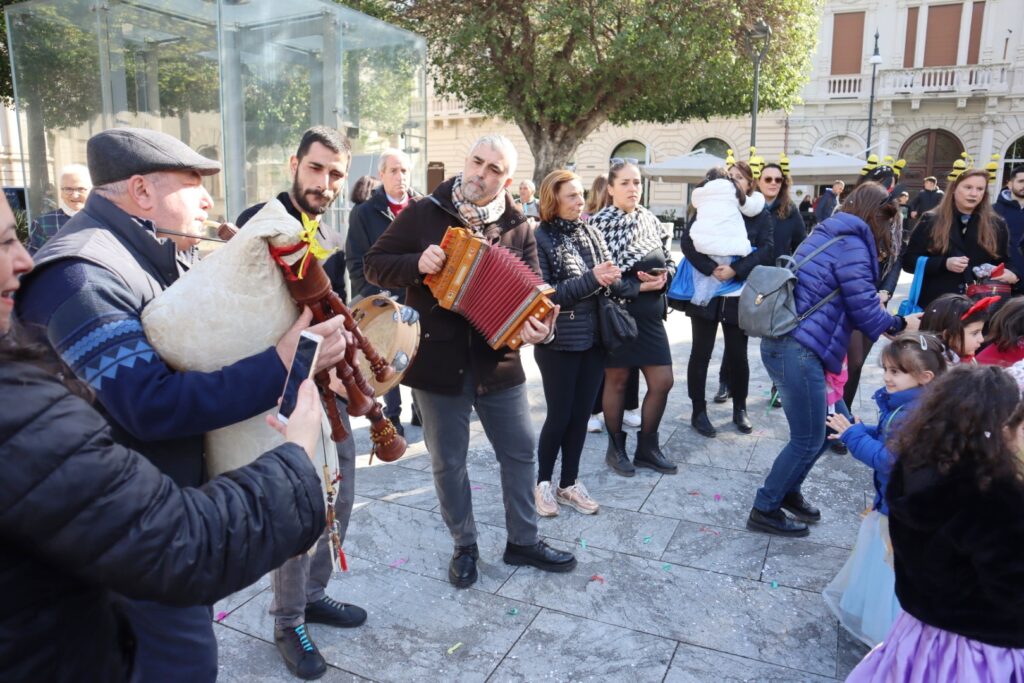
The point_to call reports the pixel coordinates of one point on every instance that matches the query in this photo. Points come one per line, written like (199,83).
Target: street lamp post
(876,59)
(762,32)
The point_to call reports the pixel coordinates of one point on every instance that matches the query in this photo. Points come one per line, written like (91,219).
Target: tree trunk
(554,147)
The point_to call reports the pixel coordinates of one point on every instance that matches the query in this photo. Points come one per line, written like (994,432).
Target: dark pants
(171,643)
(800,377)
(393,403)
(571,380)
(735,355)
(632,392)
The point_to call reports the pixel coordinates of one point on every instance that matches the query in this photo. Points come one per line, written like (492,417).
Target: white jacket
(719,229)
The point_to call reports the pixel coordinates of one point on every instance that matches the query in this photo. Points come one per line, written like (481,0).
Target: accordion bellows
(489,286)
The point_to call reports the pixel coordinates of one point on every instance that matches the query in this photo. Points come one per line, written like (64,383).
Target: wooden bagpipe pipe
(489,286)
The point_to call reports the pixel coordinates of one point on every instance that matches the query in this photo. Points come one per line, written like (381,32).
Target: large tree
(561,68)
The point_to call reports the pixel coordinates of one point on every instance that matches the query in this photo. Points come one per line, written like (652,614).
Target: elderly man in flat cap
(91,282)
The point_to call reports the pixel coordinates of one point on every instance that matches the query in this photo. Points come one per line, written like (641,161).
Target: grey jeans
(505,416)
(303,579)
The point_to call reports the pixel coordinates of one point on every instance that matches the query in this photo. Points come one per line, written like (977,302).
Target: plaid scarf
(630,236)
(477,216)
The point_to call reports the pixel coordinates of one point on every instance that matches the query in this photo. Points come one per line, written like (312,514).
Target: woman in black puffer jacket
(82,517)
(574,260)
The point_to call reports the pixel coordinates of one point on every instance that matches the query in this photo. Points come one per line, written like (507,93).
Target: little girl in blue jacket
(863,593)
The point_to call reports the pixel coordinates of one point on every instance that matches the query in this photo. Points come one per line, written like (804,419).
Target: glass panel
(631,149)
(947,150)
(916,151)
(714,146)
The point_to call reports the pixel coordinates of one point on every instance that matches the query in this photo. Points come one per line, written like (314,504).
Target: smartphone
(656,271)
(302,368)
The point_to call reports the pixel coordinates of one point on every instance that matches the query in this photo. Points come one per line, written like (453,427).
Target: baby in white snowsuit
(719,231)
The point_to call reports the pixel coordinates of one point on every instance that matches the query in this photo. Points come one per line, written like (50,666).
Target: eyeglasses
(74,190)
(771,181)
(617,161)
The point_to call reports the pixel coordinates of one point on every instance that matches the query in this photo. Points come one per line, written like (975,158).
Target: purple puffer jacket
(851,265)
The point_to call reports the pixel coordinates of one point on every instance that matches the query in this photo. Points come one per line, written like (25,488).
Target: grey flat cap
(120,153)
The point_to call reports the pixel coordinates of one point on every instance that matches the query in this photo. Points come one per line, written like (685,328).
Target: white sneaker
(578,497)
(544,498)
(595,424)
(631,418)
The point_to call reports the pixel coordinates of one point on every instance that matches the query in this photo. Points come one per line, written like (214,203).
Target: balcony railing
(841,87)
(959,81)
(442,108)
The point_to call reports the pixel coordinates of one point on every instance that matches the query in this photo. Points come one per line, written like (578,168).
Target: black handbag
(614,323)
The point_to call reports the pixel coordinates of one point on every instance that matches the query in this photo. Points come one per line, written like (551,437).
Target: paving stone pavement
(670,585)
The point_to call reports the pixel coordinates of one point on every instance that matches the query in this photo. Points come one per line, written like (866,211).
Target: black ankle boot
(702,424)
(648,454)
(723,394)
(616,457)
(742,422)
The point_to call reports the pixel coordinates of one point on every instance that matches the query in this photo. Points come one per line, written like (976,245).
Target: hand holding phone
(302,368)
(304,427)
(656,271)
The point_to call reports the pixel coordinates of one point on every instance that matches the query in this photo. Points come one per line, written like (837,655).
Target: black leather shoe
(776,401)
(541,555)
(616,457)
(775,523)
(462,568)
(796,505)
(333,613)
(416,421)
(648,454)
(723,394)
(702,424)
(397,422)
(838,447)
(742,422)
(299,652)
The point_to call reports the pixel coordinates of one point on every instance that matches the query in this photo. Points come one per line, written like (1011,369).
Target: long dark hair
(944,317)
(21,345)
(783,204)
(959,425)
(872,204)
(363,188)
(945,212)
(1006,329)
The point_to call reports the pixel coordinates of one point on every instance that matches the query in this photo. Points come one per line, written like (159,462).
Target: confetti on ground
(695,493)
(667,567)
(647,539)
(221,616)
(775,584)
(398,563)
(598,578)
(454,647)
(710,531)
(512,612)
(718,497)
(583,543)
(476,488)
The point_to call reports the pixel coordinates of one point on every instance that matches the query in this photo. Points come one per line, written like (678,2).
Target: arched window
(631,150)
(715,146)
(1014,157)
(928,152)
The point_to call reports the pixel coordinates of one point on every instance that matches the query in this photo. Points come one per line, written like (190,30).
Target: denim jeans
(800,378)
(505,416)
(171,643)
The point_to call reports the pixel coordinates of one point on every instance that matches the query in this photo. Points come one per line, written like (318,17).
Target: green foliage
(561,68)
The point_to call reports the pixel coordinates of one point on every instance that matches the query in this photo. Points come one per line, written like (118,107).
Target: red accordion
(489,286)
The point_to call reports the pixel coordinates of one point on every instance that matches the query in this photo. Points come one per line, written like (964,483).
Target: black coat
(576,329)
(366,224)
(81,516)
(959,553)
(449,346)
(761,234)
(938,279)
(789,231)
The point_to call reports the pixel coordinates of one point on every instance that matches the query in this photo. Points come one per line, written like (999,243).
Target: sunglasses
(618,161)
(771,181)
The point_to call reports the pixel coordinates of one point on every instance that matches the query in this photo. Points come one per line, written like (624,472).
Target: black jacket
(449,346)
(81,516)
(925,200)
(577,328)
(761,233)
(937,278)
(366,224)
(826,206)
(959,553)
(789,231)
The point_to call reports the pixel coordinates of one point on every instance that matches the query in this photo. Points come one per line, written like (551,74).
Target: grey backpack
(767,305)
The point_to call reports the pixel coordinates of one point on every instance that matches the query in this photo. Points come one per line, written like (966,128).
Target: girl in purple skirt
(956,519)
